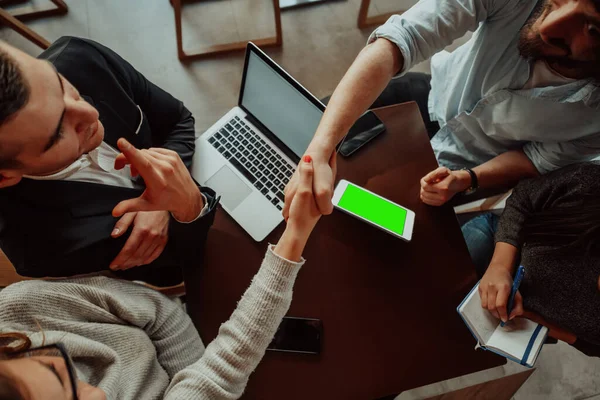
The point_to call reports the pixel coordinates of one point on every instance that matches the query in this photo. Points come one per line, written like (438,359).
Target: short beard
(531,46)
(530,43)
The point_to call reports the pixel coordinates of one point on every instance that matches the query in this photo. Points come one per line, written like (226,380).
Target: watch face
(470,190)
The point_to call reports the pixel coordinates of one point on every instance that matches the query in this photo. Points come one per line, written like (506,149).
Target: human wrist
(291,245)
(499,267)
(464,180)
(504,258)
(323,145)
(190,208)
(319,151)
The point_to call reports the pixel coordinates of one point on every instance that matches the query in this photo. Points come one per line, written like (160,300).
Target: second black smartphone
(298,335)
(366,128)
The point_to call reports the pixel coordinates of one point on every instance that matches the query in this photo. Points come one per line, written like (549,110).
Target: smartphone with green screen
(374,209)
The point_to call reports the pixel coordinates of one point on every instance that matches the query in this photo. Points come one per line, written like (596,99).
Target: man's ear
(9,178)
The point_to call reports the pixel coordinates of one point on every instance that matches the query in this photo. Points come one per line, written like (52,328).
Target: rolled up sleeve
(431,25)
(550,156)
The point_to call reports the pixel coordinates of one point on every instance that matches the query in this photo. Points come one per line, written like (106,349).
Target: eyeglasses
(53,350)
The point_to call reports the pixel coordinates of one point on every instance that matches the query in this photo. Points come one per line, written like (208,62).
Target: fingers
(491,301)
(156,243)
(146,247)
(121,162)
(333,163)
(501,302)
(323,176)
(163,152)
(123,224)
(121,261)
(156,153)
(132,205)
(138,159)
(518,309)
(289,193)
(323,187)
(305,177)
(155,253)
(436,175)
(426,187)
(166,158)
(432,199)
(146,242)
(483,295)
(438,193)
(139,248)
(495,299)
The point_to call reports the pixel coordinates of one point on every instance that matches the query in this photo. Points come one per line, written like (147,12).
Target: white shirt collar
(102,156)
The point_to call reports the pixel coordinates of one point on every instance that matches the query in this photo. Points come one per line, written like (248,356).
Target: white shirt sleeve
(431,25)
(203,212)
(550,156)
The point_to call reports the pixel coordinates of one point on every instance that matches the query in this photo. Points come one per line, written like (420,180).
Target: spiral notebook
(520,340)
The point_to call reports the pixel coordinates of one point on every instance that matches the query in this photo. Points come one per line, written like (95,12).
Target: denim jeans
(479,235)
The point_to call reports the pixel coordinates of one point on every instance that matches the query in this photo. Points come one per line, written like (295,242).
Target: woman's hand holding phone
(303,214)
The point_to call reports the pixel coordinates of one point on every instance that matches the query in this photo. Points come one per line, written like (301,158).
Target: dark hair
(10,343)
(13,342)
(14,91)
(8,389)
(14,94)
(570,229)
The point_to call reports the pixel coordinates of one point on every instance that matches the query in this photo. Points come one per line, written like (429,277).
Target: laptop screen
(279,106)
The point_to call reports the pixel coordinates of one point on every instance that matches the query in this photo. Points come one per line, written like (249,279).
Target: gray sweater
(135,343)
(561,287)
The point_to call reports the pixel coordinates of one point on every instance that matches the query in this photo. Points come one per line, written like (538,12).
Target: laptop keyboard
(254,158)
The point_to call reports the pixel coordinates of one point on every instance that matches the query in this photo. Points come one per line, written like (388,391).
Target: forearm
(180,138)
(223,370)
(502,171)
(505,257)
(370,73)
(290,246)
(505,170)
(188,239)
(518,206)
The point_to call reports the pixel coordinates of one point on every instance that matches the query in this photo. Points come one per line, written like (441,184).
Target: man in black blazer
(60,118)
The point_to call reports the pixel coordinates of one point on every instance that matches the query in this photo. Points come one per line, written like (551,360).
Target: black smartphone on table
(366,128)
(298,335)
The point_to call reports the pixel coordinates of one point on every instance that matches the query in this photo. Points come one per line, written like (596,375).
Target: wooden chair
(223,48)
(365,21)
(14,19)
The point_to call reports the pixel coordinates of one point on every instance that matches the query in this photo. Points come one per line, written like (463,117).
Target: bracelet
(474,182)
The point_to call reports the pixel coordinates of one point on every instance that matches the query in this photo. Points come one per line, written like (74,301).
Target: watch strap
(474,181)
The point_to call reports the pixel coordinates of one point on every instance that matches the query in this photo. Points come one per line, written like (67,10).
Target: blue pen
(513,291)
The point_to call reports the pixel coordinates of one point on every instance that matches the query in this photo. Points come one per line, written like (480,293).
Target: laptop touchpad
(232,189)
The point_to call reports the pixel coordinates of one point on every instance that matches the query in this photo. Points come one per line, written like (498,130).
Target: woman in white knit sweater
(120,340)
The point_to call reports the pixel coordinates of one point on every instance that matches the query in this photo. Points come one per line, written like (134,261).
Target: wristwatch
(474,182)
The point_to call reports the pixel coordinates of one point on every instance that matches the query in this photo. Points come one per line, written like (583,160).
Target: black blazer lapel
(115,126)
(81,199)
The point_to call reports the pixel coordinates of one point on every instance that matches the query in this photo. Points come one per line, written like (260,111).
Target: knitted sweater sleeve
(224,369)
(560,187)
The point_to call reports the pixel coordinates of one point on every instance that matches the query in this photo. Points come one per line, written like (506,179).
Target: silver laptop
(250,154)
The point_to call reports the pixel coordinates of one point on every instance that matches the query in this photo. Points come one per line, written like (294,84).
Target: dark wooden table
(388,307)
